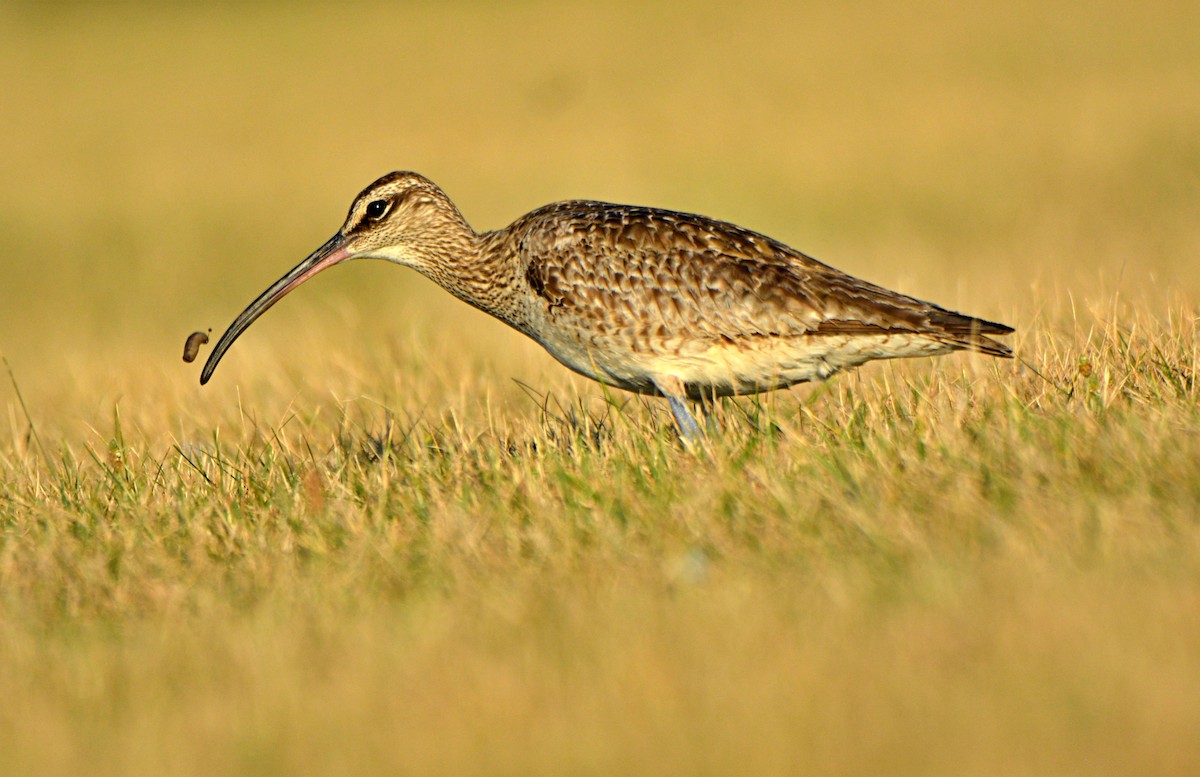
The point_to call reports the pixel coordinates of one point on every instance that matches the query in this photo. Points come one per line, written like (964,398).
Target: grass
(394,537)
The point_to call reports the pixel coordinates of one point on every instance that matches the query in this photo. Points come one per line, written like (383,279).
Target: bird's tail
(971,333)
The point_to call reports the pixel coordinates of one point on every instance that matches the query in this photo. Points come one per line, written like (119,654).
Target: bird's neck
(468,265)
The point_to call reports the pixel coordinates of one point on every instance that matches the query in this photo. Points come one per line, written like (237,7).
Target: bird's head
(403,217)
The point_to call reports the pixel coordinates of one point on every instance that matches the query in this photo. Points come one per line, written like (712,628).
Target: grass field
(394,537)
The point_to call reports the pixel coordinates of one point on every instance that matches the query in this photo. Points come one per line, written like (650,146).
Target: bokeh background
(1031,162)
(954,566)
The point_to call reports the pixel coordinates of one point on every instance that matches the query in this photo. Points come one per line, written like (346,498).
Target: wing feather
(621,269)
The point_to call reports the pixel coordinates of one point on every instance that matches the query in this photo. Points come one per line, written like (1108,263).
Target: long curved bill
(333,252)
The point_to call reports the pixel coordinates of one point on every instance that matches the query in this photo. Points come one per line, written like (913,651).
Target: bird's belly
(710,368)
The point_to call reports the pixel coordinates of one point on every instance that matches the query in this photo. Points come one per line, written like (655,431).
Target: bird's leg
(708,407)
(689,430)
(672,388)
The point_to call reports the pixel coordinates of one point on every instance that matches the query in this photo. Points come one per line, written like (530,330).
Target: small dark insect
(192,346)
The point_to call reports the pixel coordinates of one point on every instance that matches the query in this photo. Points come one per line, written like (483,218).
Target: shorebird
(648,300)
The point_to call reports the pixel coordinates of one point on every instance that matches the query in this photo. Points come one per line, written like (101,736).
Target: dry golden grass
(366,548)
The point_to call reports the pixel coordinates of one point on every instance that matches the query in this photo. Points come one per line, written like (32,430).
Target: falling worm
(192,346)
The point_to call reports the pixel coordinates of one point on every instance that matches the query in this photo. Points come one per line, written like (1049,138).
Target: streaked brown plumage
(643,299)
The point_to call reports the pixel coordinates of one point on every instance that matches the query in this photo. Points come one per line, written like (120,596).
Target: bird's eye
(377,209)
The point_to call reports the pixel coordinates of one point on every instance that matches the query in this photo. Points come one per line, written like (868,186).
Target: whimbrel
(648,300)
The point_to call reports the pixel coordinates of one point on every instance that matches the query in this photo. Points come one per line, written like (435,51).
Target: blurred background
(162,163)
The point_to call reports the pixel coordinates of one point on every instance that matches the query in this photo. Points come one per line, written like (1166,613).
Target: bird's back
(617,291)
